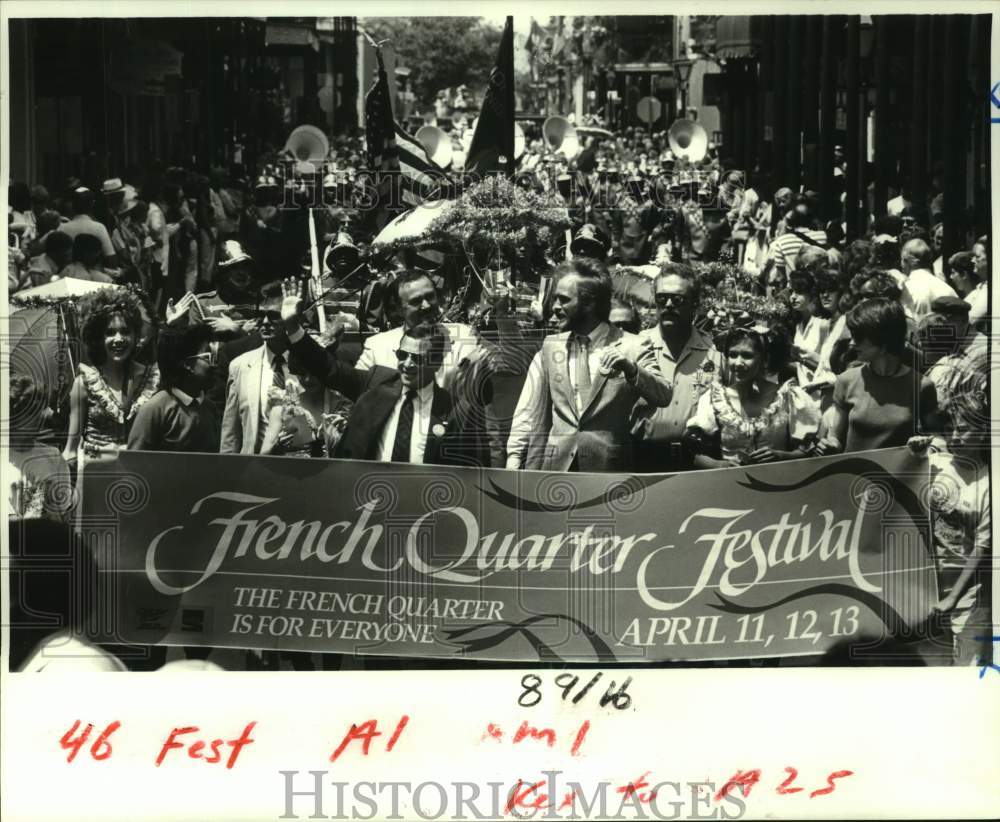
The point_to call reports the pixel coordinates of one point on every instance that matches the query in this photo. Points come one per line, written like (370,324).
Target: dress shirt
(978,300)
(598,336)
(920,289)
(421,426)
(266,381)
(811,337)
(689,376)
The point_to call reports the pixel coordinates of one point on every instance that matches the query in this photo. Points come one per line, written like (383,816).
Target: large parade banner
(798,558)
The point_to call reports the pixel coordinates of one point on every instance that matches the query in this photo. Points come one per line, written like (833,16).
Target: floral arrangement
(728,308)
(495,221)
(713,275)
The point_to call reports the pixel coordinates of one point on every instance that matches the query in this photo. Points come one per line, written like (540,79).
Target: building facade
(92,97)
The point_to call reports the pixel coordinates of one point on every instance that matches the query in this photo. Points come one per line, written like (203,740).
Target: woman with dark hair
(304,419)
(811,329)
(880,403)
(746,418)
(108,393)
(834,300)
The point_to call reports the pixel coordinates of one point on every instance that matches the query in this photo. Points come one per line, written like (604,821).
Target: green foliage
(494,214)
(442,52)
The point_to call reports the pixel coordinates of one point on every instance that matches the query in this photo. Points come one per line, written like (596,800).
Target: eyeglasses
(671,299)
(418,359)
(273,317)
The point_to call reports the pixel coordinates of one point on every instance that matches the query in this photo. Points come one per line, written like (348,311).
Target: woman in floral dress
(107,393)
(746,418)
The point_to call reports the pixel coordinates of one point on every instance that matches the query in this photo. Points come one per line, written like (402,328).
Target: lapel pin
(438,430)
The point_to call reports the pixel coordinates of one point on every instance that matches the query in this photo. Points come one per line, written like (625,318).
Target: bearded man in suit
(574,409)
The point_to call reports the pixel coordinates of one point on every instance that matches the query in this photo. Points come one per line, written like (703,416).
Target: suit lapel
(597,385)
(440,411)
(384,397)
(258,397)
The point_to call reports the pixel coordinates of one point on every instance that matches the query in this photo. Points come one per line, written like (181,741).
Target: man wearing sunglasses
(444,426)
(252,375)
(180,416)
(414,297)
(411,418)
(687,359)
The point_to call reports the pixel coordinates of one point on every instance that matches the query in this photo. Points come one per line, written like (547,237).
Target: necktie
(404,428)
(278,378)
(582,369)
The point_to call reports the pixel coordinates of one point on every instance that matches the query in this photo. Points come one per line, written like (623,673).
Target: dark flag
(536,39)
(405,174)
(492,147)
(380,146)
(379,125)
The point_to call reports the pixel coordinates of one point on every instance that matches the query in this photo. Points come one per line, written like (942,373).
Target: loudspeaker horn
(560,136)
(343,255)
(688,139)
(308,144)
(437,144)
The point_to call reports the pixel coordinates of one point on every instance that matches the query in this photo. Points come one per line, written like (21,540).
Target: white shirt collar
(424,395)
(597,336)
(271,355)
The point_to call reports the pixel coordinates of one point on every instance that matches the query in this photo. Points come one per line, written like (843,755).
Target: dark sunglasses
(273,317)
(671,299)
(418,359)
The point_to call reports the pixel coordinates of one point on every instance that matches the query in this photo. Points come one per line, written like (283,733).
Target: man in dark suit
(400,415)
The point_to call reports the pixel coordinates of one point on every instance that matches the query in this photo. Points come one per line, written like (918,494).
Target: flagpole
(316,275)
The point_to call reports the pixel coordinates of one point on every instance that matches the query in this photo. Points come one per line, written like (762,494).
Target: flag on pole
(379,125)
(536,38)
(406,175)
(558,40)
(420,179)
(492,147)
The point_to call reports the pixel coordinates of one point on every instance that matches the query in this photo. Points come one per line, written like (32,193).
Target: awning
(290,34)
(736,37)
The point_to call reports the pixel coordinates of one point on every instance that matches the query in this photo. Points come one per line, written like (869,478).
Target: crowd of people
(759,335)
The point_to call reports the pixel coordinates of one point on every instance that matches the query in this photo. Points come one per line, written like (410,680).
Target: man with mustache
(687,359)
(583,384)
(400,414)
(415,298)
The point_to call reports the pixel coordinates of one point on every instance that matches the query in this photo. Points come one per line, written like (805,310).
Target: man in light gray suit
(574,409)
(251,376)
